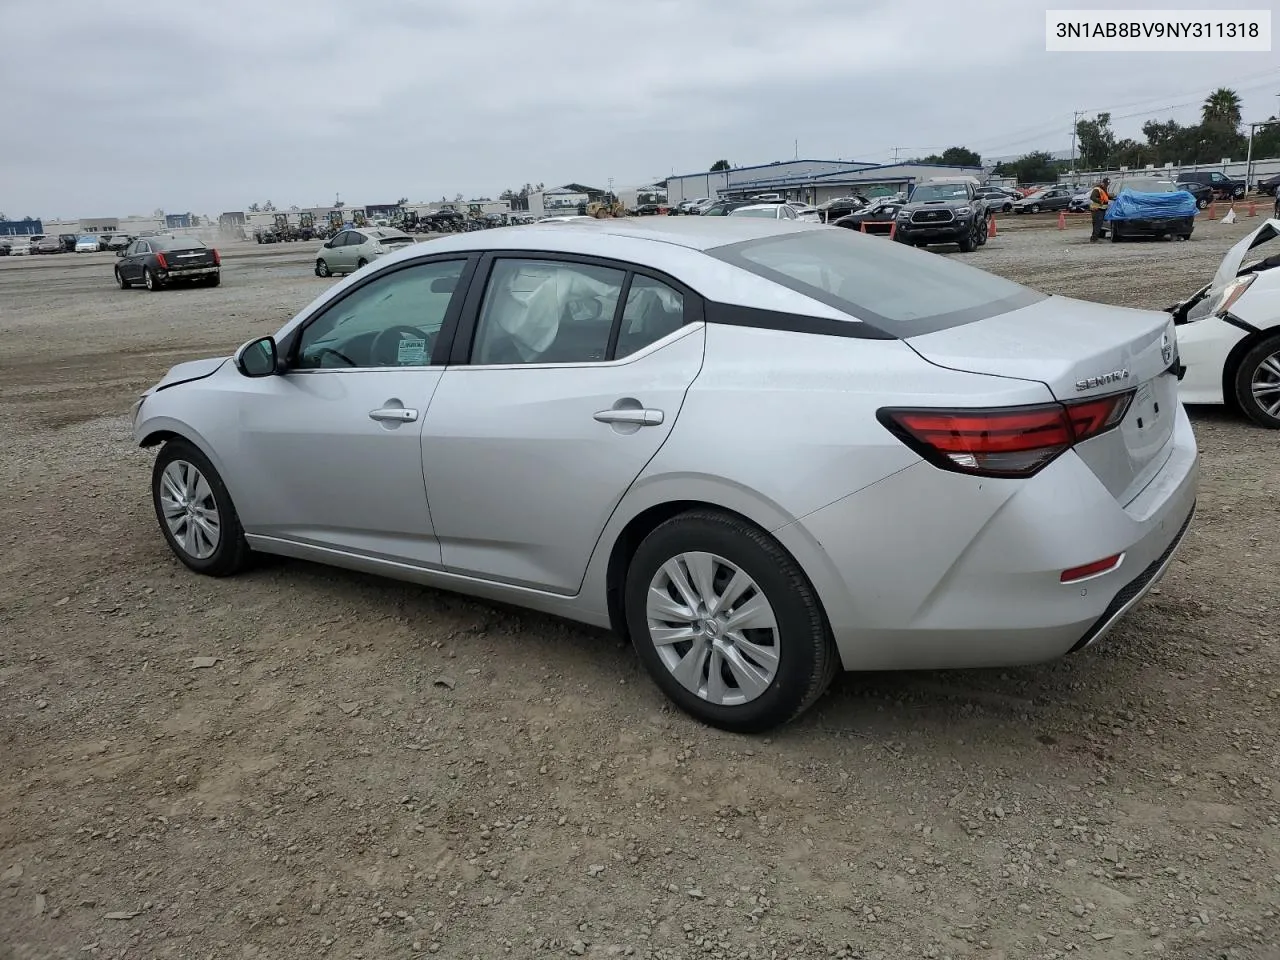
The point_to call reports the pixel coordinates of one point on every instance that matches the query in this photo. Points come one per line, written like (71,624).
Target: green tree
(254,208)
(720,165)
(1035,167)
(1097,142)
(955,157)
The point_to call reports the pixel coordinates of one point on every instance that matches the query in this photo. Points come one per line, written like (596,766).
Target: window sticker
(412,351)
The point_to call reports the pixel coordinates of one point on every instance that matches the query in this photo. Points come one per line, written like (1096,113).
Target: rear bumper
(932,570)
(1154,226)
(183,273)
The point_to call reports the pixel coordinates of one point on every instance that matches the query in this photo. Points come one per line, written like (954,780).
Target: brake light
(161,261)
(217,258)
(1004,441)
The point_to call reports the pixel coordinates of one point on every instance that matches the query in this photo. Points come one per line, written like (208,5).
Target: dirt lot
(377,770)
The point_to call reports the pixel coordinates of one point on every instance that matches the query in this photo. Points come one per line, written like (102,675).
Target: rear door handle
(644,418)
(397,414)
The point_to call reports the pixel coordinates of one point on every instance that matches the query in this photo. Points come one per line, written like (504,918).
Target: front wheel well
(1232,364)
(624,548)
(158,437)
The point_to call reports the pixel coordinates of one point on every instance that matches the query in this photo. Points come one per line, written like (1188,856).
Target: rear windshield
(175,243)
(902,291)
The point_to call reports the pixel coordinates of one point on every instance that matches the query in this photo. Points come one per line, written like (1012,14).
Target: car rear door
(565,380)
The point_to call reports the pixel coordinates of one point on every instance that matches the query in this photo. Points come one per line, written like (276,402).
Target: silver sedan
(762,451)
(349,250)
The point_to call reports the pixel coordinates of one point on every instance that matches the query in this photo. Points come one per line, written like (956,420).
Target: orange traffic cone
(1213,209)
(1253,208)
(1062,219)
(991,226)
(862,227)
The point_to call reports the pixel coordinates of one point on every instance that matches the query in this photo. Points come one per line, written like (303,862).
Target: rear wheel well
(624,548)
(1232,364)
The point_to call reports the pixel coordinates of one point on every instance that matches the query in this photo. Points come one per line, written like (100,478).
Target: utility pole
(1075,122)
(896,151)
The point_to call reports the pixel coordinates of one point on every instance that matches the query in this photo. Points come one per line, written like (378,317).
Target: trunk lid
(183,258)
(1082,350)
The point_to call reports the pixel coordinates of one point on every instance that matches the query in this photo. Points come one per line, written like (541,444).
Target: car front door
(331,450)
(567,378)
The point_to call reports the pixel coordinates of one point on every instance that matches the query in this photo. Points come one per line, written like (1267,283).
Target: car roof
(671,245)
(760,206)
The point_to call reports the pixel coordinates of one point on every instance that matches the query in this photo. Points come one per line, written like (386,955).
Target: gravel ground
(304,762)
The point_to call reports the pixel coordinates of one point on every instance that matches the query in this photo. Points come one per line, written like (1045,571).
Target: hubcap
(190,512)
(714,629)
(1266,385)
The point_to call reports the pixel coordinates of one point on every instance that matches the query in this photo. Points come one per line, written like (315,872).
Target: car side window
(653,310)
(339,239)
(546,311)
(355,239)
(391,321)
(143,247)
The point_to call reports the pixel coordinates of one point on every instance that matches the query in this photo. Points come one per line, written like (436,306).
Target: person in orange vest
(1098,200)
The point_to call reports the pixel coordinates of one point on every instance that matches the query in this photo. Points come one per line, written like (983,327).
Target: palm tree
(1222,108)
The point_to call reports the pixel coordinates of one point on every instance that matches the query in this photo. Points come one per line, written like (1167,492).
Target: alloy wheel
(190,511)
(713,628)
(1266,385)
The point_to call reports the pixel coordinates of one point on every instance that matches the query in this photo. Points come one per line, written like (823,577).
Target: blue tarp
(1131,205)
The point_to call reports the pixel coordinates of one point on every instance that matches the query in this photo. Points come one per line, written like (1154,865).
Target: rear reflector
(1104,565)
(1003,441)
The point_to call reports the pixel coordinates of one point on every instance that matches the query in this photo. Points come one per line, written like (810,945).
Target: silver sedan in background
(763,451)
(349,250)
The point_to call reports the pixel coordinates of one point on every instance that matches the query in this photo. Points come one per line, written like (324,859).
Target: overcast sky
(114,108)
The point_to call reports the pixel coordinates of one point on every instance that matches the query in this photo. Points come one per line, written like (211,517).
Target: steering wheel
(382,354)
(320,354)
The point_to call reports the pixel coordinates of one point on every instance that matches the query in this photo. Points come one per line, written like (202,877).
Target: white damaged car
(1229,332)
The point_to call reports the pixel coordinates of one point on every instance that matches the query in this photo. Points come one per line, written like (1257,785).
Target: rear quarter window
(901,291)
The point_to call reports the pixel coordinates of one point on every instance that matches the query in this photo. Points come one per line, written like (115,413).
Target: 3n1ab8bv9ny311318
(762,450)
(158,262)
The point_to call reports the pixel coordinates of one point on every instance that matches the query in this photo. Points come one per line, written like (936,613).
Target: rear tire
(790,637)
(149,280)
(1257,383)
(214,280)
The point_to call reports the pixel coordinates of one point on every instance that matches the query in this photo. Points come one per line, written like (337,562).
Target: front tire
(726,623)
(124,284)
(1257,383)
(361,263)
(214,280)
(195,511)
(322,268)
(1035,208)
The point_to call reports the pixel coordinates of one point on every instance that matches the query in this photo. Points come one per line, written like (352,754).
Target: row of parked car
(30,244)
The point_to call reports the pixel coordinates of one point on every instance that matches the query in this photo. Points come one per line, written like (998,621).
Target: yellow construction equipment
(602,209)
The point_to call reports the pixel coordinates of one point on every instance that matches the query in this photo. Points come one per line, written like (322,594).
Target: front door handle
(641,417)
(397,414)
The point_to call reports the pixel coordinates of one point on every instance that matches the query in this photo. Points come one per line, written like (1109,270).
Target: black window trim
(868,324)
(465,334)
(291,344)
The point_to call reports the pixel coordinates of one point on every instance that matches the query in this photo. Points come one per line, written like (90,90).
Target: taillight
(217,259)
(1003,441)
(163,263)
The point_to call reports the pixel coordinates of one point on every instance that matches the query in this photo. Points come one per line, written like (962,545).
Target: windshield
(1148,186)
(176,243)
(938,191)
(884,284)
(387,237)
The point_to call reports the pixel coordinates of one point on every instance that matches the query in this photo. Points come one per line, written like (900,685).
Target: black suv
(943,211)
(1224,188)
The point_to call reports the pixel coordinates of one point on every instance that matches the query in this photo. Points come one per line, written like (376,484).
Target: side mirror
(120,251)
(257,358)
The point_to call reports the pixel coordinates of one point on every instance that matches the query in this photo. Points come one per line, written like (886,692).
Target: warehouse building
(810,181)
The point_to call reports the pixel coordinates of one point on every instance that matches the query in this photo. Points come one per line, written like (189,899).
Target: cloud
(125,107)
